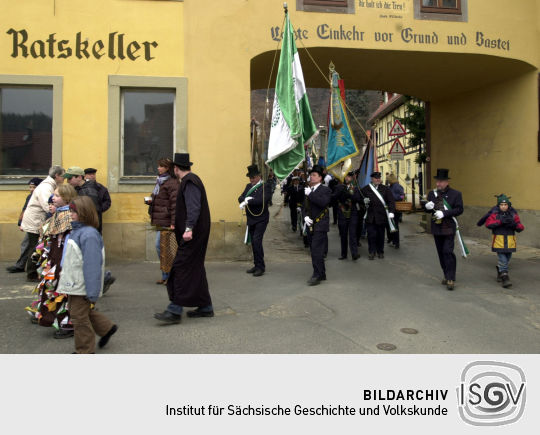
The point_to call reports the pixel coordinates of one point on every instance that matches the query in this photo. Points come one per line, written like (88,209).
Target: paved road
(361,305)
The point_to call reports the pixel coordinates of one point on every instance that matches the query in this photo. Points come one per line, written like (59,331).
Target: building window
(441,6)
(25,130)
(30,128)
(443,10)
(408,168)
(147,121)
(339,6)
(147,129)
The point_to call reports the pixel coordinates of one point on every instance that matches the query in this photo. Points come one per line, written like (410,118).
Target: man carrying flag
(292,122)
(254,200)
(445,203)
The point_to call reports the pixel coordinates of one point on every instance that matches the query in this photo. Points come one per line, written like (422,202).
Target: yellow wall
(225,49)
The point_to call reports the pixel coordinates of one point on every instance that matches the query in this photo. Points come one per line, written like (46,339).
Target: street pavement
(362,304)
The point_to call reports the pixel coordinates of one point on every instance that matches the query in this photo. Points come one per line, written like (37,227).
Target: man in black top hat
(103,192)
(187,284)
(255,200)
(445,203)
(317,219)
(346,195)
(380,209)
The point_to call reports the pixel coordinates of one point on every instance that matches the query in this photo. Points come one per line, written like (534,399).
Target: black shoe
(64,333)
(294,230)
(323,278)
(313,281)
(252,270)
(105,339)
(168,317)
(371,257)
(450,284)
(258,272)
(108,281)
(14,269)
(499,274)
(199,313)
(505,280)
(342,257)
(356,257)
(33,320)
(380,255)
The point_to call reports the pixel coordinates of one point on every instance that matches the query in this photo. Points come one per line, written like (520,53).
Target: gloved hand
(367,201)
(307,190)
(507,220)
(391,215)
(430,205)
(308,221)
(243,205)
(439,214)
(248,198)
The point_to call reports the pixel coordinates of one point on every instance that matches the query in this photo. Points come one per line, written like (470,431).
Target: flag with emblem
(292,123)
(341,144)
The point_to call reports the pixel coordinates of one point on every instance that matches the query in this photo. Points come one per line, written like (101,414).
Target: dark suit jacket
(453,197)
(259,203)
(295,196)
(317,201)
(376,213)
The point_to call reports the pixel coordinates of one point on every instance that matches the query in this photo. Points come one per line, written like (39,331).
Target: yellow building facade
(477,66)
(385,130)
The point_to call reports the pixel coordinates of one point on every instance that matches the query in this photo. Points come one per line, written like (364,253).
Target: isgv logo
(491,393)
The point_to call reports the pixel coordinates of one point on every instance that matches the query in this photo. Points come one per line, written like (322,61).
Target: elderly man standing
(103,192)
(35,215)
(187,284)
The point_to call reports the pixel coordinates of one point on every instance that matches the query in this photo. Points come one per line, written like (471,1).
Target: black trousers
(394,237)
(31,267)
(447,258)
(294,218)
(335,212)
(375,237)
(347,234)
(318,243)
(256,232)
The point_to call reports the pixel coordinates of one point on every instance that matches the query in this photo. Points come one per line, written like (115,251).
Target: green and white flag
(292,122)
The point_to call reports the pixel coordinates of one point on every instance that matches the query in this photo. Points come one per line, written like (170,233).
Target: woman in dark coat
(162,215)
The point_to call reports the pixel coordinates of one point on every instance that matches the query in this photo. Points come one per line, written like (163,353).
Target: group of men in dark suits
(373,206)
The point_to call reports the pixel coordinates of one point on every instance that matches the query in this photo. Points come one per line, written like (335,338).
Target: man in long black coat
(443,226)
(255,200)
(377,217)
(187,284)
(318,198)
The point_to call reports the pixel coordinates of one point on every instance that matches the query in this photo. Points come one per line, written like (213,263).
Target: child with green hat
(503,221)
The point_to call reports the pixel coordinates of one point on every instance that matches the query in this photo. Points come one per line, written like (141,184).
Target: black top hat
(318,169)
(442,174)
(375,174)
(90,171)
(253,170)
(182,159)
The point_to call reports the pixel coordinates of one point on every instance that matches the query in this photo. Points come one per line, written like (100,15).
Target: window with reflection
(441,6)
(25,130)
(147,129)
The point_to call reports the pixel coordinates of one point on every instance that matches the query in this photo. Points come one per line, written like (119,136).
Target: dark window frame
(441,10)
(326,6)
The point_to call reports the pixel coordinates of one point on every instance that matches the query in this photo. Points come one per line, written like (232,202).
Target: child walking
(503,221)
(83,263)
